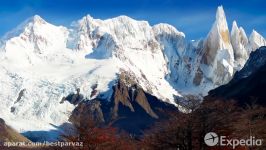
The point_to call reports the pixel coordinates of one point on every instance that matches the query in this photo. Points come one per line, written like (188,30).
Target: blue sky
(194,18)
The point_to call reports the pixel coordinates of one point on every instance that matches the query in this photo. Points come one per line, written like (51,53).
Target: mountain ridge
(248,84)
(45,63)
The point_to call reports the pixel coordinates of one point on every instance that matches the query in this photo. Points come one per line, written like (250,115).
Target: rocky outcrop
(127,92)
(7,134)
(73,98)
(21,93)
(87,113)
(130,108)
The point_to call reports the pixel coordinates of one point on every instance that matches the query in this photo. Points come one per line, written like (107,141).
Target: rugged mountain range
(42,65)
(248,84)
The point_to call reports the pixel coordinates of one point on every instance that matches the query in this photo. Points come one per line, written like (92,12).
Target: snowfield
(39,69)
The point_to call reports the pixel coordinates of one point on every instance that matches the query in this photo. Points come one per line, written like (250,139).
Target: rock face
(73,98)
(8,134)
(130,108)
(248,85)
(218,56)
(239,42)
(127,92)
(218,39)
(86,113)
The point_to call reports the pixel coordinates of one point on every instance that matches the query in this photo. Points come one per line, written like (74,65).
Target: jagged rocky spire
(239,42)
(218,54)
(256,40)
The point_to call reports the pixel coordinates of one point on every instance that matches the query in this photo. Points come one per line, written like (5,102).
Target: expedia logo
(212,139)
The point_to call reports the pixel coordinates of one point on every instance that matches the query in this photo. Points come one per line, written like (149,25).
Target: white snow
(256,40)
(46,85)
(49,62)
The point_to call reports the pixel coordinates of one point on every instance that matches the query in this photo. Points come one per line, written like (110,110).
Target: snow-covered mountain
(211,62)
(41,63)
(248,84)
